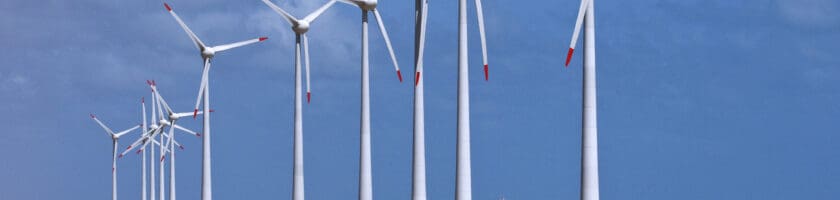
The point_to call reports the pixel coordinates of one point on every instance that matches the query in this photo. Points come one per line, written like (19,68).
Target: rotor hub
(368,5)
(208,53)
(301,27)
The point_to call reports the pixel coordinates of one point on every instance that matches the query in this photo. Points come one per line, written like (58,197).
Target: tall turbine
(172,118)
(365,172)
(463,188)
(115,137)
(143,161)
(207,54)
(418,170)
(589,186)
(300,27)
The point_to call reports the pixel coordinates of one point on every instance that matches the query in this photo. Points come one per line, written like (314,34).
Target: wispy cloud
(810,13)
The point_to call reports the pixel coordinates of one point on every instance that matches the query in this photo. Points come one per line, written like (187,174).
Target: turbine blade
(154,104)
(137,143)
(161,101)
(179,127)
(198,44)
(480,12)
(121,133)
(289,18)
(306,61)
(422,44)
(201,86)
(185,114)
(578,23)
(143,103)
(225,47)
(312,16)
(108,130)
(387,42)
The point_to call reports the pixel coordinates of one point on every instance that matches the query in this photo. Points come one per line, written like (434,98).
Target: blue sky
(697,99)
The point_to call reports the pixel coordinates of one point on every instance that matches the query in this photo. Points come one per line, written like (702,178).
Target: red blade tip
(198,134)
(167,7)
(143,100)
(129,147)
(486,73)
(92,116)
(138,151)
(182,147)
(399,75)
(417,79)
(162,157)
(569,56)
(120,156)
(308,97)
(263,38)
(195,113)
(211,110)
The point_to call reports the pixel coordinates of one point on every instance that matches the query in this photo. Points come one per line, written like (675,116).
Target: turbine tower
(463,179)
(589,186)
(418,170)
(300,27)
(365,174)
(143,161)
(115,137)
(207,54)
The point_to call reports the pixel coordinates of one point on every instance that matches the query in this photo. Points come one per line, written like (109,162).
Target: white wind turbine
(157,130)
(172,118)
(589,189)
(463,180)
(300,27)
(207,53)
(115,137)
(143,161)
(418,191)
(365,176)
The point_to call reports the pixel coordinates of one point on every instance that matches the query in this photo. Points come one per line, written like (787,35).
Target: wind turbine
(207,54)
(418,191)
(463,180)
(172,118)
(365,177)
(589,189)
(143,161)
(115,137)
(300,27)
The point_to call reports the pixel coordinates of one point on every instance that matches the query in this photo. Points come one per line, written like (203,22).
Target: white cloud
(811,13)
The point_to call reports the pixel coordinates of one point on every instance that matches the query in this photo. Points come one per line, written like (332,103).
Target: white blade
(201,86)
(121,133)
(578,23)
(170,140)
(311,17)
(185,114)
(422,46)
(161,101)
(387,42)
(198,44)
(154,104)
(306,61)
(143,103)
(289,18)
(108,130)
(179,127)
(142,141)
(225,47)
(480,13)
